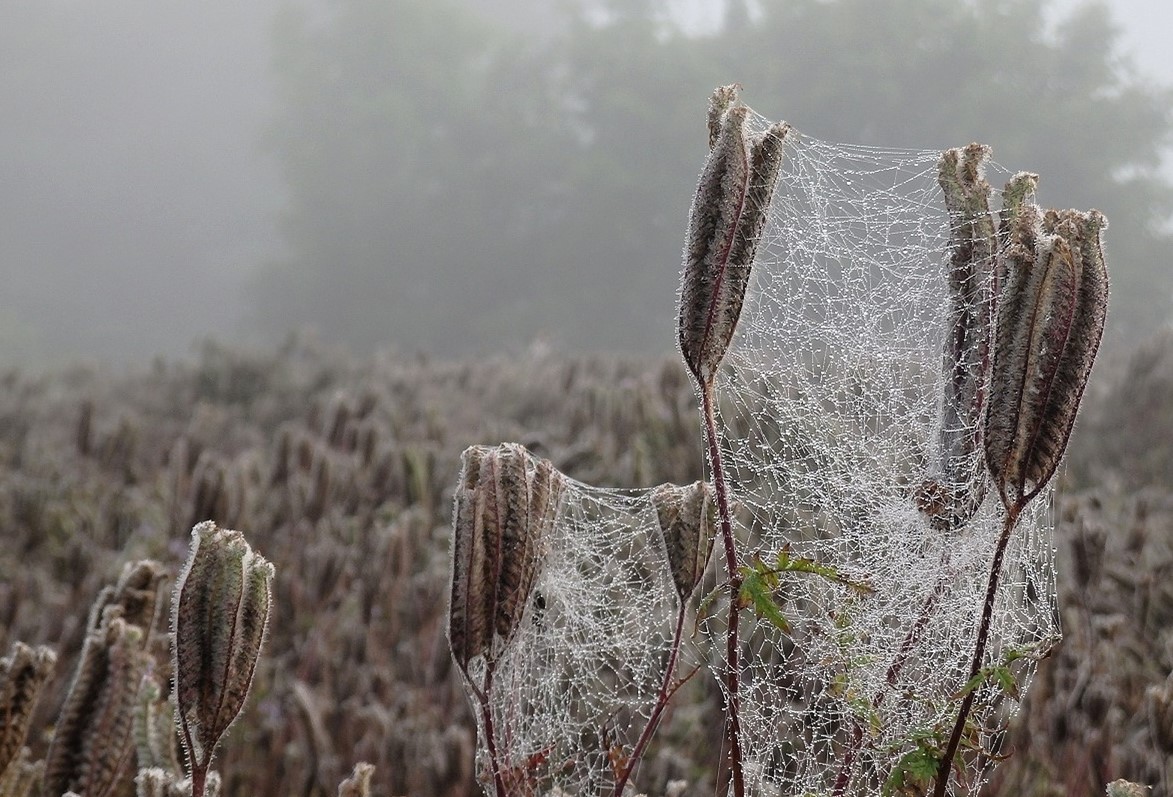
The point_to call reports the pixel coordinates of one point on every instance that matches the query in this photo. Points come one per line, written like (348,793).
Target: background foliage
(340,471)
(457,182)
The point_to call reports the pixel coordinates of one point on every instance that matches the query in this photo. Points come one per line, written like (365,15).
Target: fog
(142,195)
(135,192)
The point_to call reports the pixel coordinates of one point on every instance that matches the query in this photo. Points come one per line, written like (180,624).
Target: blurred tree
(457,186)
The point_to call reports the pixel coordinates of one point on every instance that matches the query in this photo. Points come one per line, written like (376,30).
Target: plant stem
(666,692)
(979,650)
(733,678)
(490,735)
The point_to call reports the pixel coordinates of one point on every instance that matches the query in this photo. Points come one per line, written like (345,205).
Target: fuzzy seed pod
(506,504)
(955,493)
(359,782)
(688,523)
(158,782)
(219,616)
(22,674)
(136,594)
(1050,320)
(22,776)
(728,213)
(154,727)
(92,748)
(722,99)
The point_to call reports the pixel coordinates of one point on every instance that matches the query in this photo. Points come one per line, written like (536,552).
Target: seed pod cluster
(506,504)
(1050,320)
(728,213)
(219,617)
(688,523)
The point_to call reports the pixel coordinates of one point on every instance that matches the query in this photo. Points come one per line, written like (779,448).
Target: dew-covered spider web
(830,408)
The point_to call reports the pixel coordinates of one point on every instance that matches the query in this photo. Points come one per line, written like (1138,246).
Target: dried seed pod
(158,782)
(954,494)
(728,212)
(1050,321)
(722,99)
(22,776)
(219,617)
(92,745)
(359,782)
(154,727)
(505,505)
(688,523)
(136,593)
(1016,195)
(22,674)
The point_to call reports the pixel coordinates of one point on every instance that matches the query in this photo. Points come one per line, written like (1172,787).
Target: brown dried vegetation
(339,472)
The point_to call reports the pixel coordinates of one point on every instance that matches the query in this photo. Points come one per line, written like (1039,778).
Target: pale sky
(1147,25)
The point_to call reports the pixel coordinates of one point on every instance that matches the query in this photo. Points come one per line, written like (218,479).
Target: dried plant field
(340,472)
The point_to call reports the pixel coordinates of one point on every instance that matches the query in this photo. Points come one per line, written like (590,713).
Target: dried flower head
(1050,320)
(505,504)
(688,522)
(728,213)
(219,616)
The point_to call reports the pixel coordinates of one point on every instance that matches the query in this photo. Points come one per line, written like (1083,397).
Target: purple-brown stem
(666,692)
(733,678)
(979,650)
(490,734)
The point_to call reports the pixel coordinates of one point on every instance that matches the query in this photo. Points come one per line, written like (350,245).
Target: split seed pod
(953,496)
(688,524)
(505,505)
(728,213)
(1050,321)
(219,616)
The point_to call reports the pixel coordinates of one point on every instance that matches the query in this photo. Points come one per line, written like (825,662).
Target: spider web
(830,405)
(830,412)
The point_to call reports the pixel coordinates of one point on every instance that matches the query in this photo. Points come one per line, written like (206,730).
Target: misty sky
(132,166)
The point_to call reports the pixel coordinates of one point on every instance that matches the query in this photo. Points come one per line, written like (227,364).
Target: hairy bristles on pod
(92,745)
(505,505)
(1050,321)
(956,491)
(22,674)
(359,782)
(219,617)
(722,99)
(688,523)
(1016,195)
(159,782)
(728,213)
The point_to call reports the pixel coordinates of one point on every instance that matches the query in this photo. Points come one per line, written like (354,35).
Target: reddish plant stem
(490,734)
(733,677)
(666,692)
(979,651)
(199,777)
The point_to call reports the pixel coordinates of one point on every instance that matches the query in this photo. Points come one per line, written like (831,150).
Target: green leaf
(757,591)
(786,563)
